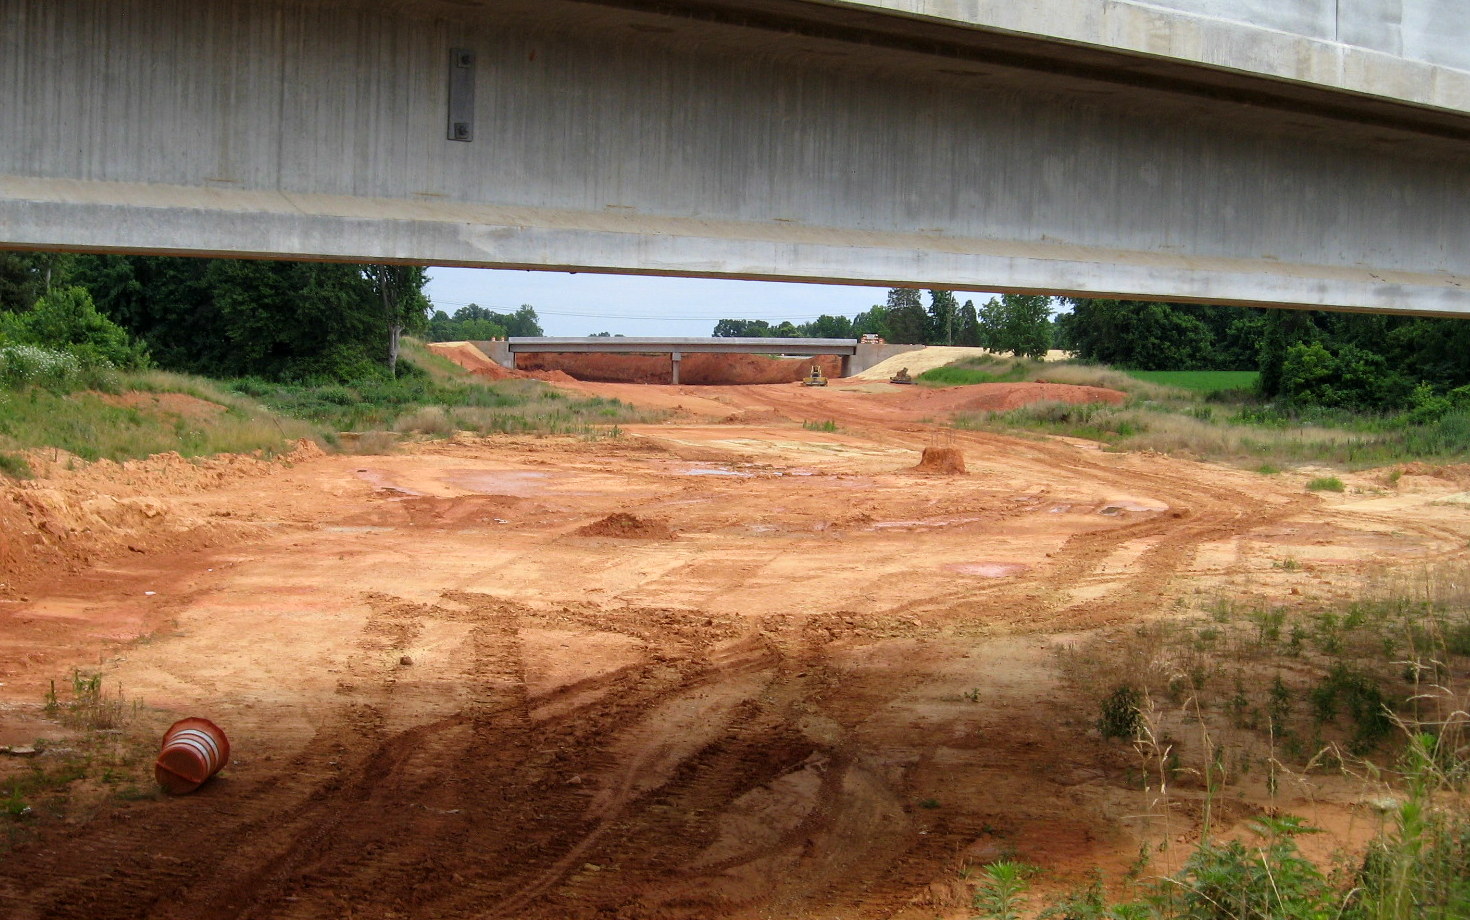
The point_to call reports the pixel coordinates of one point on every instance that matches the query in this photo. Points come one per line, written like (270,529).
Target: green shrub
(1122,716)
(1325,484)
(67,319)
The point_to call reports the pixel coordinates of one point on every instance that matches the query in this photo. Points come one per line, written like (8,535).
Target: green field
(1200,381)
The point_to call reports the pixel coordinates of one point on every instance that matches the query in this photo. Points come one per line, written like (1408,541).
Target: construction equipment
(815,378)
(901,377)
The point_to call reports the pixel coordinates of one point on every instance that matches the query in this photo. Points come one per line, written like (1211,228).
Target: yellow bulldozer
(815,378)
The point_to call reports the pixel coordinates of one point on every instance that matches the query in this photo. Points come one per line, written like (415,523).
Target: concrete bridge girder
(883,142)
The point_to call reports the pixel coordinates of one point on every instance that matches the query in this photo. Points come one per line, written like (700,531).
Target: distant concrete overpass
(856,356)
(1307,152)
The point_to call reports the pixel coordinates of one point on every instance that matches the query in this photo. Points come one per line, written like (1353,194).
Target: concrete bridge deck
(1313,153)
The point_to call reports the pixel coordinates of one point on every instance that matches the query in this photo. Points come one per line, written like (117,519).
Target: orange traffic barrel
(193,751)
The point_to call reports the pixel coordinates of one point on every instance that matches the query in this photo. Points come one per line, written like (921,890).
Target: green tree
(1139,335)
(873,321)
(968,333)
(400,291)
(20,281)
(943,318)
(1017,323)
(829,327)
(743,329)
(292,320)
(907,321)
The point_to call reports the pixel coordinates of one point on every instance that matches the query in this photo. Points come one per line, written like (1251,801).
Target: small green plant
(1268,469)
(88,708)
(825,425)
(1325,484)
(1121,716)
(930,804)
(1002,889)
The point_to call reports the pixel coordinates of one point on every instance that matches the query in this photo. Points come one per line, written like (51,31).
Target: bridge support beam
(882,143)
(675,359)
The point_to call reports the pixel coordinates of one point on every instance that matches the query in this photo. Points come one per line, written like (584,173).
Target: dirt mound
(755,417)
(472,359)
(1000,397)
(626,526)
(181,405)
(552,376)
(695,370)
(947,461)
(67,519)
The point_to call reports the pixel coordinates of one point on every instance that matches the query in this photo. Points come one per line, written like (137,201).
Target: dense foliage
(1146,336)
(1017,324)
(474,323)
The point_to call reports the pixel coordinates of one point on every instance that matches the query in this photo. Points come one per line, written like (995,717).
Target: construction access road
(728,666)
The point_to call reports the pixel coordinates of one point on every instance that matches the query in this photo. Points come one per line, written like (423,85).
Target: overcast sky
(582,304)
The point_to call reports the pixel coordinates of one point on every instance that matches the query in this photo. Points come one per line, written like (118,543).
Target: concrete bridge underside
(1303,152)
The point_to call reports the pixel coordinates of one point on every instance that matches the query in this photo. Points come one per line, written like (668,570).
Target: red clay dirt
(944,461)
(832,693)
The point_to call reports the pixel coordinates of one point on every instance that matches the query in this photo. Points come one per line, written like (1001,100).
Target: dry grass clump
(433,421)
(1093,375)
(87,707)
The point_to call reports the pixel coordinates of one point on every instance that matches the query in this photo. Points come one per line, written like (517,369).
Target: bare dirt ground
(725,667)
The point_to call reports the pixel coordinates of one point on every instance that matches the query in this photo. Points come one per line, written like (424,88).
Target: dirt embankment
(696,369)
(73,518)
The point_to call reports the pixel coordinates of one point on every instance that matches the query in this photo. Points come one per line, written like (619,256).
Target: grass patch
(828,425)
(984,369)
(1376,688)
(1203,382)
(14,466)
(435,398)
(1222,424)
(93,426)
(103,761)
(1325,484)
(93,414)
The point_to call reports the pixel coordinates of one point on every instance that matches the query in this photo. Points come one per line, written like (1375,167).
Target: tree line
(306,321)
(1374,362)
(280,320)
(1016,323)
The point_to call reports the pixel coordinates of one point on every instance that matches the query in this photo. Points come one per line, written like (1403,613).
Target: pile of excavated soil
(626,526)
(70,518)
(946,461)
(1000,397)
(696,369)
(472,359)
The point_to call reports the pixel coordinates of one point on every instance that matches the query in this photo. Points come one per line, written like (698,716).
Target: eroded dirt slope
(718,668)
